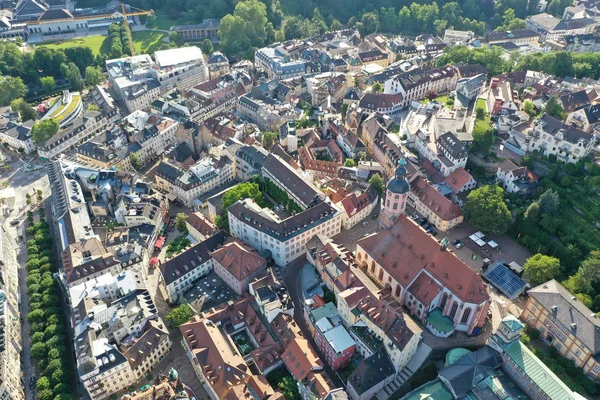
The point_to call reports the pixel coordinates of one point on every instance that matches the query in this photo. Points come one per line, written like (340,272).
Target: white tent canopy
(492,244)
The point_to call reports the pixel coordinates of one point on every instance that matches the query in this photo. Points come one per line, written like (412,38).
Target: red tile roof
(239,259)
(200,223)
(458,179)
(434,200)
(424,288)
(406,249)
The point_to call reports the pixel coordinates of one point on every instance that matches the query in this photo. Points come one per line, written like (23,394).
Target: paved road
(176,358)
(292,280)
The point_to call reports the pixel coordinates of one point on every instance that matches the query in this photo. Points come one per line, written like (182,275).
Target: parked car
(423,221)
(365,223)
(375,215)
(426,226)
(14,222)
(433,232)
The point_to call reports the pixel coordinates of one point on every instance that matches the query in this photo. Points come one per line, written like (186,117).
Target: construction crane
(136,12)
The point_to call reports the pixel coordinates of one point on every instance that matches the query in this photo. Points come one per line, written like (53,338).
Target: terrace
(368,338)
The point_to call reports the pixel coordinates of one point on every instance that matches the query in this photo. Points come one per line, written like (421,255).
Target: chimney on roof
(554,310)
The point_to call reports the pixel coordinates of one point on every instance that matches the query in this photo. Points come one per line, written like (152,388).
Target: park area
(143,41)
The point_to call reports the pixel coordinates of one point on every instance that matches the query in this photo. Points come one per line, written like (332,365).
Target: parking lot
(208,292)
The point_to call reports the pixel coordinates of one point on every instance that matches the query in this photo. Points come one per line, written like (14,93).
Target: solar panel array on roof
(505,280)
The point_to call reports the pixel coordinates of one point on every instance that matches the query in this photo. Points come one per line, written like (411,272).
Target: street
(292,281)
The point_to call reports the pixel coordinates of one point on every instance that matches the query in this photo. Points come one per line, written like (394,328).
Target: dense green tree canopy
(541,268)
(486,210)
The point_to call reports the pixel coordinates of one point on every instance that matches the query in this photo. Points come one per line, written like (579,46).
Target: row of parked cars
(429,228)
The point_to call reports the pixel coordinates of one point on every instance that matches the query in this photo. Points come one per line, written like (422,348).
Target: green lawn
(481,103)
(440,99)
(143,41)
(165,23)
(98,44)
(147,41)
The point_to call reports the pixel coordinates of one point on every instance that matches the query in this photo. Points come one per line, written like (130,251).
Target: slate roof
(371,371)
(195,256)
(292,181)
(511,35)
(569,311)
(53,14)
(471,369)
(553,126)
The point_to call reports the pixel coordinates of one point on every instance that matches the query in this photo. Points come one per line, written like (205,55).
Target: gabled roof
(440,205)
(458,179)
(239,259)
(406,249)
(300,358)
(371,371)
(191,258)
(571,313)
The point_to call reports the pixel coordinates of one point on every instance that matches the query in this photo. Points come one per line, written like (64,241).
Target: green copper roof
(512,323)
(453,355)
(323,312)
(441,324)
(434,390)
(539,372)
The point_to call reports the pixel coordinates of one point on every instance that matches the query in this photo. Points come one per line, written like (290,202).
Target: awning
(479,235)
(154,261)
(492,244)
(160,242)
(480,242)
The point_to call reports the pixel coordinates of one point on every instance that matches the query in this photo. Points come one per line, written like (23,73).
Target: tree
(554,109)
(175,37)
(245,30)
(486,210)
(206,46)
(349,163)
(246,190)
(151,21)
(479,113)
(179,315)
(38,350)
(47,83)
(11,88)
(541,268)
(557,7)
(26,112)
(377,182)
(44,130)
(369,23)
(335,25)
(269,139)
(529,108)
(93,75)
(180,223)
(483,139)
(376,87)
(134,159)
(93,107)
(549,202)
(71,73)
(46,394)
